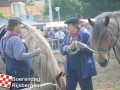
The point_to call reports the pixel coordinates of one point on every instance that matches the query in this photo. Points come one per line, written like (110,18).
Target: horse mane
(99,27)
(44,65)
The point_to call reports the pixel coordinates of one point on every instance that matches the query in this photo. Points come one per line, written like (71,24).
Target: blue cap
(72,20)
(14,21)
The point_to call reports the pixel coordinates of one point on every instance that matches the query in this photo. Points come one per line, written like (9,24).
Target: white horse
(45,65)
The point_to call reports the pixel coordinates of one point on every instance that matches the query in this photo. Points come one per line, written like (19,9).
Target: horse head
(60,80)
(101,39)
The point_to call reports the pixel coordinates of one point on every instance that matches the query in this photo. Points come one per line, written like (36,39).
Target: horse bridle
(113,45)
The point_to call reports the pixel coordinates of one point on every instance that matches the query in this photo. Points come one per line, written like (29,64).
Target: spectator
(83,28)
(51,34)
(65,31)
(60,36)
(45,34)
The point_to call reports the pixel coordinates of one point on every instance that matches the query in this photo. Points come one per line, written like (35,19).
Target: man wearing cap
(79,67)
(14,53)
(60,35)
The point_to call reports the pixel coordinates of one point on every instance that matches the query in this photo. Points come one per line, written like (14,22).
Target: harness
(116,40)
(113,45)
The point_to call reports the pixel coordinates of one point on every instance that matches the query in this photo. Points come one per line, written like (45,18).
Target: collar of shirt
(75,34)
(10,32)
(72,36)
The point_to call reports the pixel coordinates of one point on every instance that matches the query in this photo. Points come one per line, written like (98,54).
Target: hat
(14,21)
(72,20)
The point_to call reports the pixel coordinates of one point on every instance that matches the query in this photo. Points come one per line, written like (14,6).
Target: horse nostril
(104,63)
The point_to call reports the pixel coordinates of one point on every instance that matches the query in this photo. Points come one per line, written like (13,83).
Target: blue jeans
(60,42)
(74,77)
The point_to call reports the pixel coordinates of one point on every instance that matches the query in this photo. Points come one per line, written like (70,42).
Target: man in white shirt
(60,36)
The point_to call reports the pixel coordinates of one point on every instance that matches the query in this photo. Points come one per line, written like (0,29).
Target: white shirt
(60,35)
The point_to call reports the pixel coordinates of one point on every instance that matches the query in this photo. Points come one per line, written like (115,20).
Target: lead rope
(41,55)
(69,50)
(73,52)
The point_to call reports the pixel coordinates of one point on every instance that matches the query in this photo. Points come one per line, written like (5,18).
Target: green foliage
(31,1)
(86,8)
(67,8)
(92,8)
(2,16)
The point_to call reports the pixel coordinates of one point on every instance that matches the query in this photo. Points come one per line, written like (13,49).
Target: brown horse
(60,80)
(105,35)
(45,65)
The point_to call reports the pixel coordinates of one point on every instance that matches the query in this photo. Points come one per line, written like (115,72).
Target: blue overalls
(14,68)
(79,67)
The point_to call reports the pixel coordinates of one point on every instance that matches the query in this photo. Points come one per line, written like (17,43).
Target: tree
(85,8)
(92,8)
(30,2)
(68,8)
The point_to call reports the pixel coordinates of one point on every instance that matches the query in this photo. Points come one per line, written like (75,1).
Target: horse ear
(91,22)
(107,19)
(59,75)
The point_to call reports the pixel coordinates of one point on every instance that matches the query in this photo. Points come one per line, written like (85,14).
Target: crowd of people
(55,36)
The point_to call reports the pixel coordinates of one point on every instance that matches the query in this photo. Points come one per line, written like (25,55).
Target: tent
(32,23)
(55,24)
(2,22)
(84,21)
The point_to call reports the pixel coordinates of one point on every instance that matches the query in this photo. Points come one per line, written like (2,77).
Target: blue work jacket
(83,59)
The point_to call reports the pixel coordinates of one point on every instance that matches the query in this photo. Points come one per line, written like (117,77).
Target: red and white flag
(5,80)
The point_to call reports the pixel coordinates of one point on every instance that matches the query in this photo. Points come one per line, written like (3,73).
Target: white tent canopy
(55,24)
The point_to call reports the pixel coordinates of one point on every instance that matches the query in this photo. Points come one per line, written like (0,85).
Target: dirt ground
(108,77)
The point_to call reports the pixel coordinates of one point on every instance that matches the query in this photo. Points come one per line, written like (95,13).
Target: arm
(63,34)
(18,51)
(86,41)
(63,48)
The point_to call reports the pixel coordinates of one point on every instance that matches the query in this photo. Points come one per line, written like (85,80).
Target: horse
(45,65)
(105,35)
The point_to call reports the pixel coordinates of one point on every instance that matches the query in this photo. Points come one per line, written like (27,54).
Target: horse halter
(113,45)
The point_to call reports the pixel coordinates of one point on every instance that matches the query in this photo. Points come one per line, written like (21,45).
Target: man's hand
(71,46)
(38,51)
(79,45)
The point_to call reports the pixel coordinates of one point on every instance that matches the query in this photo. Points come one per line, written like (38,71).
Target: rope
(41,55)
(69,50)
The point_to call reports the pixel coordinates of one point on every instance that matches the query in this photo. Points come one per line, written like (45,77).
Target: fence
(54,43)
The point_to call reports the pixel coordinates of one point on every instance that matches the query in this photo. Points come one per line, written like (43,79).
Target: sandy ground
(108,77)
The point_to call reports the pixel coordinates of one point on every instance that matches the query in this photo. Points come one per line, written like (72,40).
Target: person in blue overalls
(79,67)
(15,55)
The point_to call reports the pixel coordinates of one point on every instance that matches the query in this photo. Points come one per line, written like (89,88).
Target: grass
(116,89)
(56,51)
